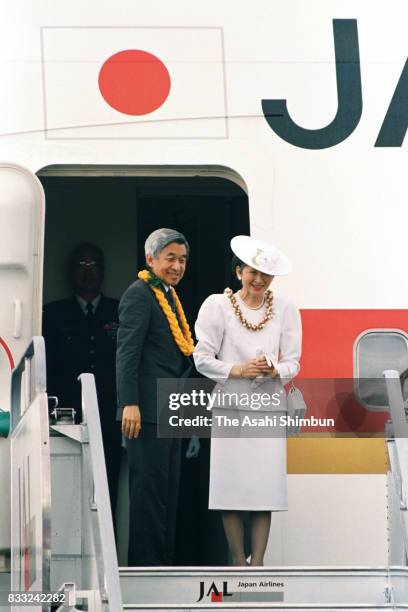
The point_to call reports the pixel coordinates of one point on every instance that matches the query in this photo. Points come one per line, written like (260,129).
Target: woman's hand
(250,369)
(266,369)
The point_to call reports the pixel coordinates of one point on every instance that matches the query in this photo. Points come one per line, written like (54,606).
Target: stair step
(266,607)
(264,588)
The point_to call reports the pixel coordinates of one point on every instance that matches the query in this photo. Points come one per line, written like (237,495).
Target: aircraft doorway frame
(65,171)
(210,171)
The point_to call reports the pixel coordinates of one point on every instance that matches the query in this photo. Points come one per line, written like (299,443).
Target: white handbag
(296,409)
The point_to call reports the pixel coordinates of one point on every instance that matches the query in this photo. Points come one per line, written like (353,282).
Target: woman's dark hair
(237,262)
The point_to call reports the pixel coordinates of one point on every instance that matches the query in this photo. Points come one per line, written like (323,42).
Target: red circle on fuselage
(134,82)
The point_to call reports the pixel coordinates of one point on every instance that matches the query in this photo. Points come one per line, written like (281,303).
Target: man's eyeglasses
(87,264)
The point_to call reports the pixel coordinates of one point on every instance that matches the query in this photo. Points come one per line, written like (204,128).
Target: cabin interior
(117,212)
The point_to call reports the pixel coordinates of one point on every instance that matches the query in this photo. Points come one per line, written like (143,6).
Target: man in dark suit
(80,336)
(147,351)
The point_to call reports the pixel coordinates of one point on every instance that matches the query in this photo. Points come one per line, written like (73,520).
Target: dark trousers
(154,474)
(112,446)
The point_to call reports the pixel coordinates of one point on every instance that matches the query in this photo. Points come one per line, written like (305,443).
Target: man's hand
(193,448)
(131,421)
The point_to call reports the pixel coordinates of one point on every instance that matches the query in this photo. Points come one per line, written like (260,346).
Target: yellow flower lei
(182,337)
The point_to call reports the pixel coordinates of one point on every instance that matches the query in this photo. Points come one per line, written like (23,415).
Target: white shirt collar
(166,287)
(83,303)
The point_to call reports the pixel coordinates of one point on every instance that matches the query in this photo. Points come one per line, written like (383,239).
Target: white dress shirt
(83,303)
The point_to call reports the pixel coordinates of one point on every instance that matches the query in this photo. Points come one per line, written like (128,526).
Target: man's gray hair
(159,239)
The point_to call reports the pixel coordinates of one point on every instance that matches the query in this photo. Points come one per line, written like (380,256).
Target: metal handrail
(399,433)
(102,523)
(393,383)
(34,355)
(32,363)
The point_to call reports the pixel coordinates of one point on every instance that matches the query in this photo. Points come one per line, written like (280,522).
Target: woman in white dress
(253,336)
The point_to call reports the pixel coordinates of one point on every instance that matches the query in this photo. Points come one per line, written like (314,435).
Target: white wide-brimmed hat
(261,256)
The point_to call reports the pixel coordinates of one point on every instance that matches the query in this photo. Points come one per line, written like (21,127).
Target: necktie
(170,299)
(89,312)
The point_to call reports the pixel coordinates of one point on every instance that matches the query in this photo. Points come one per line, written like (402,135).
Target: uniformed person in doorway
(80,336)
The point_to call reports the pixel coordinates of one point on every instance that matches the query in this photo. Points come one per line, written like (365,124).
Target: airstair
(63,538)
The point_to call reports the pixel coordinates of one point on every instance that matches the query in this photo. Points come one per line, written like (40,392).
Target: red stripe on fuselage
(327,353)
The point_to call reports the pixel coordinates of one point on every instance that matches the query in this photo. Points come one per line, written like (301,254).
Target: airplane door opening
(116,209)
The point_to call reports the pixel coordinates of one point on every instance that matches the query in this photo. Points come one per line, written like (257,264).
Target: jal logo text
(349,101)
(213,591)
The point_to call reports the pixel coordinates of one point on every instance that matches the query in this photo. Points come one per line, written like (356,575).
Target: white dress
(247,473)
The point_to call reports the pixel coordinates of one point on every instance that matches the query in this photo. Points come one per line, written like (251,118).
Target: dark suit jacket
(146,351)
(74,346)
